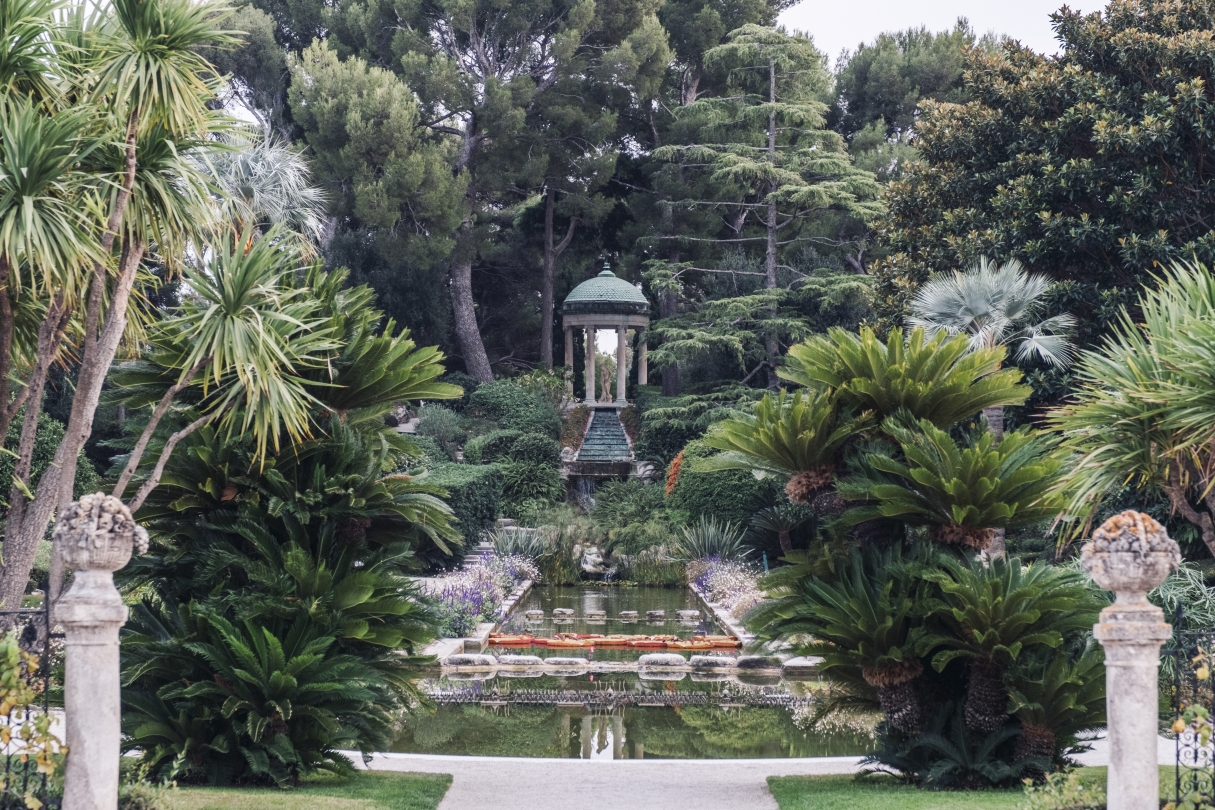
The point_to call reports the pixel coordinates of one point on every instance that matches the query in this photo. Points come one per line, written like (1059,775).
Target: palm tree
(995,305)
(128,82)
(265,182)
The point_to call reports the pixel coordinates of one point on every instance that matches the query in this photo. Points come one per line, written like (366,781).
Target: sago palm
(1065,699)
(866,622)
(792,435)
(992,615)
(961,493)
(936,378)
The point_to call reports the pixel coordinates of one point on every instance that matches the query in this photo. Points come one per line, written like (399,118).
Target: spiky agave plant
(938,378)
(866,622)
(962,493)
(708,538)
(793,435)
(1068,698)
(992,615)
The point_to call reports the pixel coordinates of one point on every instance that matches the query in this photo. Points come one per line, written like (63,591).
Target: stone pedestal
(1131,554)
(96,537)
(91,614)
(1131,636)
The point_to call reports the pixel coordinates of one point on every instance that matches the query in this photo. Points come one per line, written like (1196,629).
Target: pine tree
(771,164)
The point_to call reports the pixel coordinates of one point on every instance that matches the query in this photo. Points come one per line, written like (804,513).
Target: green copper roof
(606,292)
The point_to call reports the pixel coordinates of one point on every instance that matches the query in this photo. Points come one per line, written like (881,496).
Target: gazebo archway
(606,302)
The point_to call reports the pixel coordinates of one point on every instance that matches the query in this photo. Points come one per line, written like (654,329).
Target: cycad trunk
(986,697)
(786,542)
(995,423)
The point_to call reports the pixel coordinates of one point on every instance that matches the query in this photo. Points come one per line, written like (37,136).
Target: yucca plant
(1066,699)
(962,493)
(708,538)
(992,615)
(793,435)
(938,378)
(866,622)
(1142,411)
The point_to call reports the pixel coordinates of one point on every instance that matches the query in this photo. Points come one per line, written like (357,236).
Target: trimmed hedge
(474,492)
(528,487)
(734,495)
(490,446)
(433,453)
(515,408)
(535,449)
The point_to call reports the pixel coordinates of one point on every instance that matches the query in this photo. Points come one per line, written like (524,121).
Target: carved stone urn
(97,533)
(1130,554)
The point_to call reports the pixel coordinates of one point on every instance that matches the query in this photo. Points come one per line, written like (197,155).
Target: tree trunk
(786,542)
(552,252)
(467,331)
(770,255)
(995,423)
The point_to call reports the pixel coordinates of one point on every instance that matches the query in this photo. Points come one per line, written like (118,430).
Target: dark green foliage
(432,453)
(529,487)
(732,496)
(474,493)
(514,408)
(1052,162)
(245,703)
(532,448)
(924,634)
(465,381)
(633,515)
(489,447)
(951,756)
(885,80)
(46,440)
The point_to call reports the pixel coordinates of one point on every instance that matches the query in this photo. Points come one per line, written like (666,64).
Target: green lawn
(364,791)
(834,792)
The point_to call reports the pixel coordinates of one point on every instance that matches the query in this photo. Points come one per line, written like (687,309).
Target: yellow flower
(1178,725)
(1203,672)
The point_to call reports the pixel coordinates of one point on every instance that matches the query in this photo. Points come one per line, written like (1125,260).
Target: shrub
(573,427)
(466,381)
(654,566)
(474,493)
(432,453)
(145,796)
(633,515)
(532,448)
(489,447)
(255,702)
(630,418)
(1065,791)
(732,496)
(528,487)
(47,439)
(548,385)
(441,424)
(515,408)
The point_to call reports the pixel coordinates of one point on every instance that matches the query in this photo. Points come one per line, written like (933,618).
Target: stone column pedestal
(1131,554)
(96,536)
(91,614)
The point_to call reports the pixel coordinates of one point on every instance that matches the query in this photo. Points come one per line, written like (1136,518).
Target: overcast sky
(839,24)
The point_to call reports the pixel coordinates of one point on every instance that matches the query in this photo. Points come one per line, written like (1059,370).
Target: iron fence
(25,781)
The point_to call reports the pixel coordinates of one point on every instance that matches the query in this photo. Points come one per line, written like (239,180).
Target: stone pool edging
(723,617)
(443,648)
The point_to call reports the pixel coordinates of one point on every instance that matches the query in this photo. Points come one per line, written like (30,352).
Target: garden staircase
(605,438)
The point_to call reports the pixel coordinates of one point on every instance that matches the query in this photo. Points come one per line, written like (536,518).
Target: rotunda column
(590,366)
(569,347)
(622,342)
(643,371)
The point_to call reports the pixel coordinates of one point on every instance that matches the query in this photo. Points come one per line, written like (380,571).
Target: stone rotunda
(606,302)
